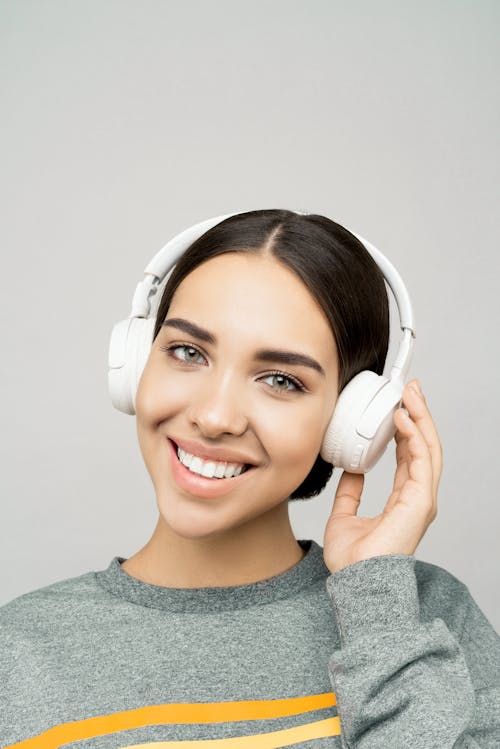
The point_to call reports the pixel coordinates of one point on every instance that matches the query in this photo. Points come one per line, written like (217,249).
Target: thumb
(348,495)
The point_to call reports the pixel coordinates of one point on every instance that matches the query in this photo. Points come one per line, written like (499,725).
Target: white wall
(124,122)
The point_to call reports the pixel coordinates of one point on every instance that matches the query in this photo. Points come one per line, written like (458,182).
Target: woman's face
(220,395)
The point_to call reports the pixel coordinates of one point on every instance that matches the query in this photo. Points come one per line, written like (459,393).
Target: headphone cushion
(141,332)
(129,350)
(341,439)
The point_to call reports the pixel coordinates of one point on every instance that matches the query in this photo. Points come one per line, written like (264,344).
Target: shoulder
(41,608)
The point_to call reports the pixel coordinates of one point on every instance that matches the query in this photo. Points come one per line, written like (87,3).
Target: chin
(189,518)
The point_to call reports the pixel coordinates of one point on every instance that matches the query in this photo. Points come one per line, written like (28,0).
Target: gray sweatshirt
(389,652)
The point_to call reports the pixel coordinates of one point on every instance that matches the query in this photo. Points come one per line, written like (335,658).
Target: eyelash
(169,350)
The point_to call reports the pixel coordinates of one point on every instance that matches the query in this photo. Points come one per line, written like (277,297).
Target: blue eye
(297,385)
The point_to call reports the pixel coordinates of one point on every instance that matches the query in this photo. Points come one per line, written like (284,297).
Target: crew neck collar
(302,575)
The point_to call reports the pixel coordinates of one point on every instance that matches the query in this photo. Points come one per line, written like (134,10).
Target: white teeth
(209,468)
(220,470)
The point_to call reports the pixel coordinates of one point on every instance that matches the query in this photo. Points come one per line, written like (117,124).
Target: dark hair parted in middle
(333,264)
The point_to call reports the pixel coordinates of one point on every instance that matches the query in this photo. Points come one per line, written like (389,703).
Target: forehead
(252,298)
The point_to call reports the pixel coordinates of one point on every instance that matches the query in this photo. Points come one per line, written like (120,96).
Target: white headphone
(362,424)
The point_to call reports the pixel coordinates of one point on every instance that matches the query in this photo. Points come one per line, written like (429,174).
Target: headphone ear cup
(362,423)
(129,349)
(142,341)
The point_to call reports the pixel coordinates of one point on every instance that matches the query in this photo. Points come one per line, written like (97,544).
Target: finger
(348,494)
(401,440)
(401,474)
(420,472)
(421,415)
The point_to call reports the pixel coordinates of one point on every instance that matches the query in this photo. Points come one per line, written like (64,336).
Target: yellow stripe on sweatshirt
(323,729)
(183,712)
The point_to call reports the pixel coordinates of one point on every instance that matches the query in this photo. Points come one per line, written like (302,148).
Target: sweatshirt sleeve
(403,682)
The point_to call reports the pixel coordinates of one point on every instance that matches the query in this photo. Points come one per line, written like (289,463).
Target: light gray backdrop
(125,122)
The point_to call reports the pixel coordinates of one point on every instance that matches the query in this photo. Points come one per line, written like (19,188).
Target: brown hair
(336,268)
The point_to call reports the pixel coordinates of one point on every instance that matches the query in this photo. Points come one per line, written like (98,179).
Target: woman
(224,630)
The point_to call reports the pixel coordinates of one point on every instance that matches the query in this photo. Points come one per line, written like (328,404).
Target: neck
(253,551)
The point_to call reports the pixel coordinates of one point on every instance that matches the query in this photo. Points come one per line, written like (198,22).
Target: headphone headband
(165,259)
(362,424)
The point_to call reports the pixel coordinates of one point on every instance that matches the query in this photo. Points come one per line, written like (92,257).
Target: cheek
(293,444)
(156,398)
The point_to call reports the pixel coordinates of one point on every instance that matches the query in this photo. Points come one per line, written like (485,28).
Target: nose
(218,406)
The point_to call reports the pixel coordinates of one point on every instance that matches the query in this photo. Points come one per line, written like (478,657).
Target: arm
(403,682)
(480,644)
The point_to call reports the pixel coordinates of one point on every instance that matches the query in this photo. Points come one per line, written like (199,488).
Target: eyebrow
(277,355)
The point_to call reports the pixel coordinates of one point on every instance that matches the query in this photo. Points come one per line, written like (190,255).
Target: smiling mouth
(245,468)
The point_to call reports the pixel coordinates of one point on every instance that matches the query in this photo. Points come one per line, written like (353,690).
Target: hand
(411,507)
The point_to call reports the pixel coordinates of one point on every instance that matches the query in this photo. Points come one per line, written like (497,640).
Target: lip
(201,486)
(211,453)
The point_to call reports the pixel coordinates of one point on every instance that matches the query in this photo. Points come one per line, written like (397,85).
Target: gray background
(125,122)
